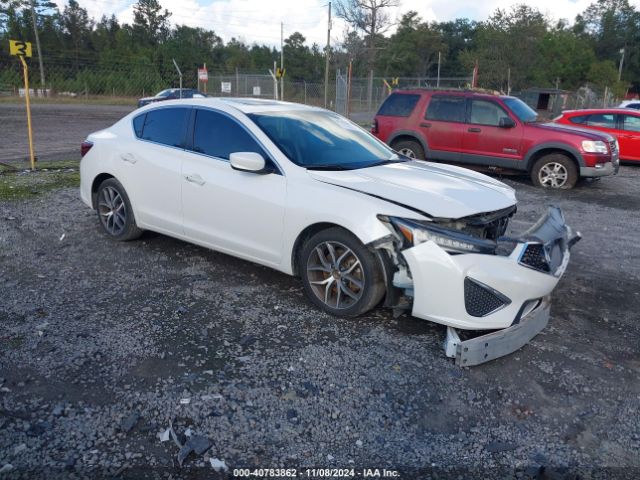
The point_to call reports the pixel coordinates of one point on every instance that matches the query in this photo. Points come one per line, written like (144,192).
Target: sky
(258,21)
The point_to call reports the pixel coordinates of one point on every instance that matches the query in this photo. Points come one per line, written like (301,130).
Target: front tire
(339,274)
(555,171)
(114,211)
(409,148)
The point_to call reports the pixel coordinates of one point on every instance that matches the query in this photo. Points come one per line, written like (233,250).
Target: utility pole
(35,31)
(621,62)
(326,65)
(282,60)
(439,60)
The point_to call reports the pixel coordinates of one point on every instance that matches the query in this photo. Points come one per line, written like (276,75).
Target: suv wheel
(554,171)
(339,274)
(409,148)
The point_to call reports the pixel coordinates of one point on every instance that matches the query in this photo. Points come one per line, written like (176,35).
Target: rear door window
(166,126)
(138,124)
(446,109)
(218,135)
(631,123)
(579,120)
(399,105)
(488,113)
(603,120)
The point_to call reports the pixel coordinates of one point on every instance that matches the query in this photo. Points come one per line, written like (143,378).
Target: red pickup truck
(493,131)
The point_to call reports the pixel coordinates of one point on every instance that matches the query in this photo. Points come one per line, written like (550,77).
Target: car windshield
(323,140)
(165,93)
(523,111)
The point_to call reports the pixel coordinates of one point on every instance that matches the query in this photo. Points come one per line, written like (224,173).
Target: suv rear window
(399,105)
(446,109)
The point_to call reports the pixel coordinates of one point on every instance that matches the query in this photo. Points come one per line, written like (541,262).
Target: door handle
(195,178)
(474,130)
(425,125)
(128,157)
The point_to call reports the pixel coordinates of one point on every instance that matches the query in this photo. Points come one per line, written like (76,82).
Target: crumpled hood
(438,190)
(583,132)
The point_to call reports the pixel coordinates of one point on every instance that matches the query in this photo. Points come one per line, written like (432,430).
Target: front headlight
(597,146)
(414,233)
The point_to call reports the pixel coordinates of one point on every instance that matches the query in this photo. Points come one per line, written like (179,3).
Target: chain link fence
(358,98)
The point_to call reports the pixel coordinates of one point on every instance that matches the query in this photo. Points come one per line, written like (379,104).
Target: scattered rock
(129,422)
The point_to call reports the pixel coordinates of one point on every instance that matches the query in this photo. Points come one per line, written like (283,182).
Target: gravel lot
(58,129)
(103,344)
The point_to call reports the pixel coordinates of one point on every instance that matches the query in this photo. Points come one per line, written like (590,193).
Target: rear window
(446,109)
(398,105)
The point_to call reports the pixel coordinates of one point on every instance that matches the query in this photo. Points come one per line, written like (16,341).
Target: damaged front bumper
(507,292)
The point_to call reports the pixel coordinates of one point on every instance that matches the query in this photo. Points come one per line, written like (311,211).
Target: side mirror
(506,122)
(250,162)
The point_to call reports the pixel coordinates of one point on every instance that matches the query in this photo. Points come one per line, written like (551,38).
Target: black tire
(115,213)
(410,148)
(345,277)
(564,168)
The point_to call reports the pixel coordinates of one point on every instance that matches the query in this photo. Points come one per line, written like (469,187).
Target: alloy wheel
(407,152)
(112,210)
(335,274)
(553,175)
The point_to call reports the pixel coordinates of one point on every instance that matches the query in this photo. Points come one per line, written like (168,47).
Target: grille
(480,300)
(614,148)
(534,257)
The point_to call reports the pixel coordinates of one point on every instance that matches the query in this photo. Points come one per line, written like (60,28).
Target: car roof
(452,91)
(588,111)
(245,105)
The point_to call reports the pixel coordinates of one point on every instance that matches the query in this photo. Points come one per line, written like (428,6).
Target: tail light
(374,126)
(85,147)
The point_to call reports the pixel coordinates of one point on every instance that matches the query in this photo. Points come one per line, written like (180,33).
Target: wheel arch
(303,236)
(534,155)
(408,135)
(97,181)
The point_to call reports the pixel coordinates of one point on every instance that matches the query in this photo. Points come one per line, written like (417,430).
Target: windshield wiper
(330,166)
(385,162)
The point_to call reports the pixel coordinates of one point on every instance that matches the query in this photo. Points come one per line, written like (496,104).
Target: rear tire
(554,171)
(114,211)
(339,274)
(409,148)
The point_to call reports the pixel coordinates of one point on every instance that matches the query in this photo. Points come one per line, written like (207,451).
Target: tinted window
(317,139)
(580,119)
(631,123)
(217,135)
(602,120)
(634,105)
(399,105)
(166,126)
(523,111)
(138,124)
(486,113)
(446,109)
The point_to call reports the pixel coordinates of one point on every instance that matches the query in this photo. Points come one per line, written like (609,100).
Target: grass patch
(22,184)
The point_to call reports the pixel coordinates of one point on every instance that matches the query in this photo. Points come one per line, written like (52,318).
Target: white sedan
(309,193)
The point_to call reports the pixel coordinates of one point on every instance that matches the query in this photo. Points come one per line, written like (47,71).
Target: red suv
(494,131)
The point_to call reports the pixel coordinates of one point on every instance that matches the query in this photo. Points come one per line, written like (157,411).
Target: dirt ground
(102,344)
(58,128)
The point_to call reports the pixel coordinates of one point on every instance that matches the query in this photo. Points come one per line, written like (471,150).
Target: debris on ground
(218,465)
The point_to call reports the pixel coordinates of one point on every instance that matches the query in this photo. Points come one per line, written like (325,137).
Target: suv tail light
(374,126)
(85,147)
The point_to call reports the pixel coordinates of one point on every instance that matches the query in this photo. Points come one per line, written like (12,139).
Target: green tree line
(515,48)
